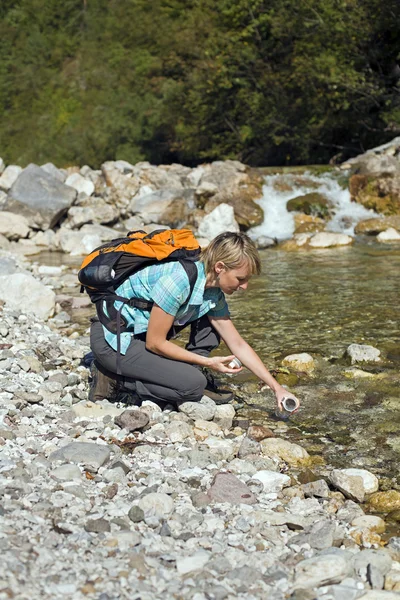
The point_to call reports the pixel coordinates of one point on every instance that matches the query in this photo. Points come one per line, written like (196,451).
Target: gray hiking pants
(154,377)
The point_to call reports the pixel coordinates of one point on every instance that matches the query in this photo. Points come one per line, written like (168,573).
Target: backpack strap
(115,322)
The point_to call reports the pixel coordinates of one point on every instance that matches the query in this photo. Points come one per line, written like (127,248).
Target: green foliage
(264,81)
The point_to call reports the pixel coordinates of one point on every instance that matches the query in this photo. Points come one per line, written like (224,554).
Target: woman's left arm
(247,356)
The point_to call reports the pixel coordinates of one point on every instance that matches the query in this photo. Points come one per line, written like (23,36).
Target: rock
(272,481)
(97,526)
(96,409)
(224,415)
(86,453)
(219,220)
(392,580)
(259,432)
(248,447)
(189,564)
(351,485)
(292,454)
(132,420)
(393,548)
(41,198)
(362,353)
(389,235)
(321,570)
(377,225)
(226,487)
(313,203)
(204,429)
(384,502)
(318,488)
(66,472)
(60,174)
(380,595)
(166,207)
(380,194)
(319,536)
(80,184)
(13,226)
(9,177)
(263,241)
(308,224)
(300,362)
(220,449)
(136,514)
(156,505)
(203,410)
(326,239)
(378,558)
(370,522)
(23,292)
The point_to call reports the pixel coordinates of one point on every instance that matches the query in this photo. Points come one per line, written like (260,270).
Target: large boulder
(167,207)
(377,225)
(381,194)
(221,219)
(41,198)
(23,292)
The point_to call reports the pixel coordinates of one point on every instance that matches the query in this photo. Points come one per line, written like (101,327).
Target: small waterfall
(278,189)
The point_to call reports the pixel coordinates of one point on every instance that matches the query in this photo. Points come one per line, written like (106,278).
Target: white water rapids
(278,189)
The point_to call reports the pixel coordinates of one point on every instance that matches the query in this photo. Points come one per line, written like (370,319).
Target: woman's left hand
(280,394)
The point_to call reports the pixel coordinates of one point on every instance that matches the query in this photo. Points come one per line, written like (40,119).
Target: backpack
(106,267)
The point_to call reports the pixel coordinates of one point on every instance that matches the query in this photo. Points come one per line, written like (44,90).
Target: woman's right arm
(156,341)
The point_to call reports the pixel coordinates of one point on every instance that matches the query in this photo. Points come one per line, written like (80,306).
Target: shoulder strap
(191,272)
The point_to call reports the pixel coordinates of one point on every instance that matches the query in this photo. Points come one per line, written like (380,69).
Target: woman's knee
(194,388)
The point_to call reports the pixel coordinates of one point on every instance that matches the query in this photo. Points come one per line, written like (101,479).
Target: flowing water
(320,301)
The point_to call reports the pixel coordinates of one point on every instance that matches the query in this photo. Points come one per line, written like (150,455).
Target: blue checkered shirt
(167,285)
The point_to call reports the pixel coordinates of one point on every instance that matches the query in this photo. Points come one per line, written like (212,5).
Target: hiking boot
(219,395)
(101,386)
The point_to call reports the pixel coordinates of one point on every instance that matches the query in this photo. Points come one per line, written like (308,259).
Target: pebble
(91,455)
(132,420)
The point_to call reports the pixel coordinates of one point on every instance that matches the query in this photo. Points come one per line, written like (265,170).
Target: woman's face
(231,280)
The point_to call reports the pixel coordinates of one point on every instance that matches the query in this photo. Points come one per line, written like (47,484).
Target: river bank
(204,502)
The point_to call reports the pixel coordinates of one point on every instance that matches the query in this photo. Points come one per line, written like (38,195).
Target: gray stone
(41,198)
(132,420)
(13,226)
(321,570)
(380,559)
(221,219)
(352,486)
(203,410)
(97,526)
(248,447)
(319,536)
(156,505)
(319,489)
(226,487)
(9,176)
(349,511)
(91,455)
(66,472)
(136,514)
(375,578)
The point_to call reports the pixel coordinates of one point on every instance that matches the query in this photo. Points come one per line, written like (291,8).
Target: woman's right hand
(220,364)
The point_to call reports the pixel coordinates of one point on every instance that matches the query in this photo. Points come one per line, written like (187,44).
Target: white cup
(235,363)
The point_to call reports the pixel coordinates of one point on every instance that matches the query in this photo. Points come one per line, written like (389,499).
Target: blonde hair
(232,249)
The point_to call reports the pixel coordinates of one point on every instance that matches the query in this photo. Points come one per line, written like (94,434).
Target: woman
(153,367)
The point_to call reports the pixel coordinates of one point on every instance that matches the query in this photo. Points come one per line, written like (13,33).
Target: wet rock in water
(319,489)
(132,420)
(384,502)
(362,353)
(91,455)
(370,522)
(321,570)
(389,235)
(352,486)
(272,481)
(292,454)
(300,362)
(228,488)
(97,526)
(156,505)
(326,239)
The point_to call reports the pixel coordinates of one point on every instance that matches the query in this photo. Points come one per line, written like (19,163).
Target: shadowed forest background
(264,81)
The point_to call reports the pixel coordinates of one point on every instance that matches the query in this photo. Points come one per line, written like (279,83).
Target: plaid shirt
(167,285)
